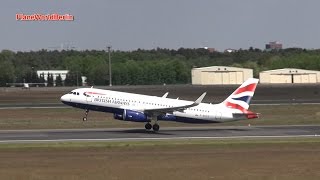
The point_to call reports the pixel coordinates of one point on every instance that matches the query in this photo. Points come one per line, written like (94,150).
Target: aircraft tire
(156,127)
(148,126)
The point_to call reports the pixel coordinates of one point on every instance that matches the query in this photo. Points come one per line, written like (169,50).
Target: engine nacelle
(166,117)
(118,116)
(129,115)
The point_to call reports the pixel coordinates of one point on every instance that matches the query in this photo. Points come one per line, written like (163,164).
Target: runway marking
(163,129)
(153,139)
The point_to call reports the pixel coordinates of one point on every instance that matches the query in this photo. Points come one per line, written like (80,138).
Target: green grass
(72,118)
(262,159)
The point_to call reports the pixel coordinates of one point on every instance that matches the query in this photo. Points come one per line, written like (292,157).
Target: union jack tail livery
(241,97)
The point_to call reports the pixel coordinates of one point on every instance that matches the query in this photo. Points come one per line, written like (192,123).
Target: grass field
(72,118)
(287,159)
(260,159)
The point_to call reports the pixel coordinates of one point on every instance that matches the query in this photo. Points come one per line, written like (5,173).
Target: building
(211,50)
(290,75)
(55,74)
(275,45)
(229,50)
(220,75)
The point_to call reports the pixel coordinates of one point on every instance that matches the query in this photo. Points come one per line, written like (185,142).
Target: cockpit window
(74,93)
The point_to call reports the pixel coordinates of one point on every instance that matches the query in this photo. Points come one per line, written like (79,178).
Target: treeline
(157,66)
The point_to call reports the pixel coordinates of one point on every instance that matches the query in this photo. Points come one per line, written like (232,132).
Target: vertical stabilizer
(241,97)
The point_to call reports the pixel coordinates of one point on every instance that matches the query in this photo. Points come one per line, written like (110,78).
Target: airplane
(143,108)
(25,85)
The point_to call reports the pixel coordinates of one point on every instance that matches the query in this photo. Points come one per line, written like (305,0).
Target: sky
(148,24)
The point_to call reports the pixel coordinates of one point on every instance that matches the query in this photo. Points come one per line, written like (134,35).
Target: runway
(254,103)
(133,134)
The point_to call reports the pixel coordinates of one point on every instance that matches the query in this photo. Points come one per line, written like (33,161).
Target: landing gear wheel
(156,127)
(86,115)
(148,126)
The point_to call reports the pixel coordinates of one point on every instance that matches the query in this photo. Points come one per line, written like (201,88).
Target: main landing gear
(148,126)
(86,115)
(155,127)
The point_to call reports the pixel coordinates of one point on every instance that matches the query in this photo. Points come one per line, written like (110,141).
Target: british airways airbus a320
(143,108)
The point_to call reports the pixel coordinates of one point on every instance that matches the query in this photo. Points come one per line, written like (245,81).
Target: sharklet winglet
(165,95)
(199,100)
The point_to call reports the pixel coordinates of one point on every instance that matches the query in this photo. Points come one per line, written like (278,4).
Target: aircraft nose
(64,98)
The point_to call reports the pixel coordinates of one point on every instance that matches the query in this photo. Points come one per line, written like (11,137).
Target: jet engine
(166,117)
(129,115)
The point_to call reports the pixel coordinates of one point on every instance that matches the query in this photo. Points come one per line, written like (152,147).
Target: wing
(175,108)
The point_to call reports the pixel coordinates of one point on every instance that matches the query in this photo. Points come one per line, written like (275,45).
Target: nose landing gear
(86,115)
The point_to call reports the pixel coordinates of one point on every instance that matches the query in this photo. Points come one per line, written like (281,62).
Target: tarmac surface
(254,102)
(265,94)
(217,93)
(15,98)
(134,134)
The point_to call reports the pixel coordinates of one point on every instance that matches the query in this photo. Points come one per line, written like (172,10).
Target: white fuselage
(112,101)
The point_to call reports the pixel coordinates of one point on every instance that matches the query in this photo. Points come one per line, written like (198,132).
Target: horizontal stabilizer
(248,115)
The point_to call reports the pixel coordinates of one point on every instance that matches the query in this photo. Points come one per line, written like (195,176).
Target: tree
(49,80)
(68,80)
(156,66)
(6,73)
(59,81)
(73,79)
(41,79)
(97,71)
(34,76)
(78,79)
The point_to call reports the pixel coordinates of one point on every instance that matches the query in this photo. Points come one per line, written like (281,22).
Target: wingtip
(165,95)
(199,100)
